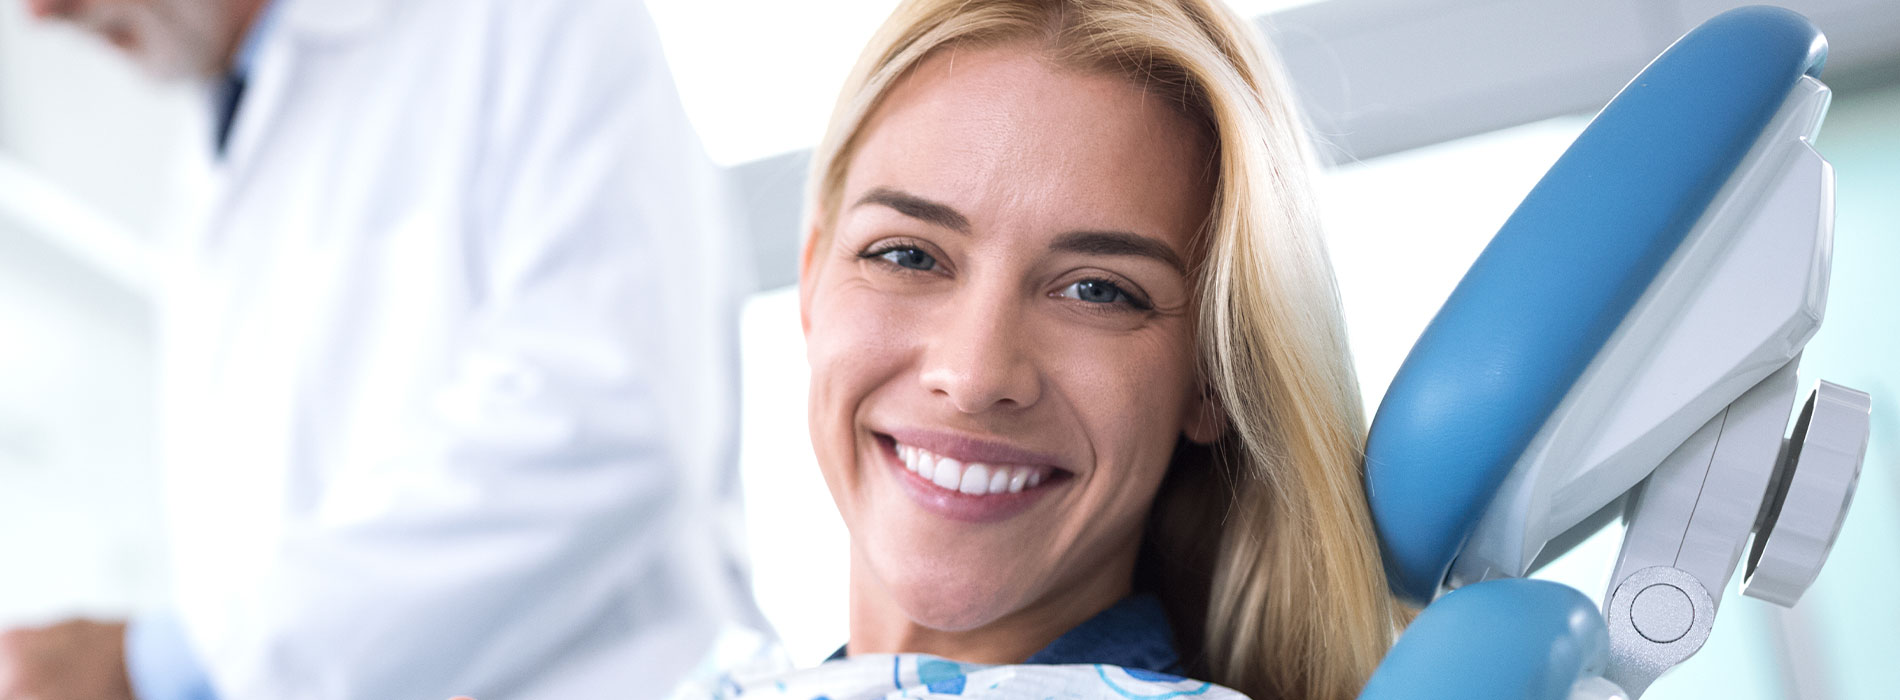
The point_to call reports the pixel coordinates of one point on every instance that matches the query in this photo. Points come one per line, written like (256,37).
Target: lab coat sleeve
(549,520)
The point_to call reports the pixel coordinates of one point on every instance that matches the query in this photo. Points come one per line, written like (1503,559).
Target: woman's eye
(1101,292)
(906,257)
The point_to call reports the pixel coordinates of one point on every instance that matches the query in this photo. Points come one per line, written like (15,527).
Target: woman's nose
(976,356)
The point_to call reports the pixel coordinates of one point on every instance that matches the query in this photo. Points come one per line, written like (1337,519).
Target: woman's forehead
(1007,137)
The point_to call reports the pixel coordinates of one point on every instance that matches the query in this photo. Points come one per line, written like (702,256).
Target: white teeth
(974,479)
(949,473)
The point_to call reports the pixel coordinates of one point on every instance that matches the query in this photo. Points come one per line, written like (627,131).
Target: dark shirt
(1133,634)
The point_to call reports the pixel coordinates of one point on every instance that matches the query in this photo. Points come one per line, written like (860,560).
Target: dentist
(448,362)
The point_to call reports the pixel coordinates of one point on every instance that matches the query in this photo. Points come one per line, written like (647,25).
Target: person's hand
(71,660)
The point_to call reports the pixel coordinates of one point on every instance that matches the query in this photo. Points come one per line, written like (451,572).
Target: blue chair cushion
(1516,638)
(1560,276)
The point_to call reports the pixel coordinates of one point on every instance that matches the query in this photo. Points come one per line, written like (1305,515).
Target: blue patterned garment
(898,676)
(1133,633)
(1124,653)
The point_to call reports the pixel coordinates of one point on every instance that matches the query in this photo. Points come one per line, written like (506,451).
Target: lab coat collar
(294,24)
(334,19)
(299,24)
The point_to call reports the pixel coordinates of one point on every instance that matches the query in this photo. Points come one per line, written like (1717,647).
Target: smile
(972,478)
(986,482)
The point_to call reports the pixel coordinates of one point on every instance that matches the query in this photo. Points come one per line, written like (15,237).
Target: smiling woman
(1080,387)
(1004,299)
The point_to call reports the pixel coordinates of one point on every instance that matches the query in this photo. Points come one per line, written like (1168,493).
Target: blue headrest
(1560,276)
(1521,639)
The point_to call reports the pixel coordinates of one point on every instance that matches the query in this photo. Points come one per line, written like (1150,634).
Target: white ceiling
(1380,76)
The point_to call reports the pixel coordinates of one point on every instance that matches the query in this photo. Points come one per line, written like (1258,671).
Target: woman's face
(1001,334)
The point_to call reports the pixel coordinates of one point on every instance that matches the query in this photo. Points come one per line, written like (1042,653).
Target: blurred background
(1438,116)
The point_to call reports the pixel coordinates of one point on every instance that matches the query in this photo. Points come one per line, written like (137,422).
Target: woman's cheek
(873,328)
(855,349)
(1130,390)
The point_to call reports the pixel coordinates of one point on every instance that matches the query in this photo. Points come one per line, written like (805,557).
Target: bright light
(758,77)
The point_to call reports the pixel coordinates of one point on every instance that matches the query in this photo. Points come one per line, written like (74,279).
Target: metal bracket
(1689,521)
(1658,617)
(1688,525)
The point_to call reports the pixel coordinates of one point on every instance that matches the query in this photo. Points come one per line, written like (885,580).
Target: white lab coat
(448,363)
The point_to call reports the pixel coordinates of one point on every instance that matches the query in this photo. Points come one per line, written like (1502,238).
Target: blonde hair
(1290,600)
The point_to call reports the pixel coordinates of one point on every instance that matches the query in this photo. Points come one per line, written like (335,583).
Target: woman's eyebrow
(1117,243)
(1114,243)
(916,207)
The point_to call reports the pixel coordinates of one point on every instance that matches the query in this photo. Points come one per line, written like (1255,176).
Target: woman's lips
(969,491)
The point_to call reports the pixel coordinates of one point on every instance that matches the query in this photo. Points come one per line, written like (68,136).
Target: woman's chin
(950,613)
(937,602)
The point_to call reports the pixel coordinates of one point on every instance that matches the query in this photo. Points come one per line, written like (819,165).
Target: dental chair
(1626,347)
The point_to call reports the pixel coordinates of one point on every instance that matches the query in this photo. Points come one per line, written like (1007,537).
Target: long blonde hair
(1289,600)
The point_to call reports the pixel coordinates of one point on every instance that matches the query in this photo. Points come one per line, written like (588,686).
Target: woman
(1080,385)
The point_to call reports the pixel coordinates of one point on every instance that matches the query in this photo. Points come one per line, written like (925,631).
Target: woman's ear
(807,279)
(1205,420)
